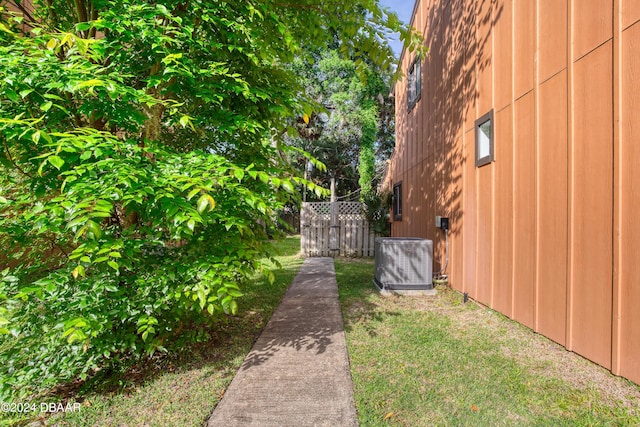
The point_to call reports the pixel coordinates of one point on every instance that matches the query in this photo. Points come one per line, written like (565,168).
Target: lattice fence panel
(338,228)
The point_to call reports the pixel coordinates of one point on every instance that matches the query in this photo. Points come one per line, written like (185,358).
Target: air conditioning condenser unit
(403,264)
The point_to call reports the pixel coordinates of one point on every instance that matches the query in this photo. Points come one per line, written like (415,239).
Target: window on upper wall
(414,83)
(397,202)
(484,139)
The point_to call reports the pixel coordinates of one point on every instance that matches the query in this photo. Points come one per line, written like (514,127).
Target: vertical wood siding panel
(459,95)
(630,13)
(485,234)
(469,215)
(503,60)
(503,272)
(447,133)
(629,294)
(440,56)
(552,209)
(543,213)
(483,175)
(524,210)
(407,206)
(484,55)
(592,25)
(401,144)
(459,99)
(469,78)
(552,42)
(440,94)
(456,237)
(592,200)
(411,141)
(447,84)
(432,58)
(424,104)
(469,182)
(431,199)
(524,45)
(426,196)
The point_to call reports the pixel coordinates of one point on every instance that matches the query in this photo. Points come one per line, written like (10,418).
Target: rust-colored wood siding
(548,232)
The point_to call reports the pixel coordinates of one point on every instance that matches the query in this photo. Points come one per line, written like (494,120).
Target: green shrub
(142,159)
(123,287)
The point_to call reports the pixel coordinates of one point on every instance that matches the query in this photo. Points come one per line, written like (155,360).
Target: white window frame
(485,141)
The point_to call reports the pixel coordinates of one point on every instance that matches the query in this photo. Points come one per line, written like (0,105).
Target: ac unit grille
(403,263)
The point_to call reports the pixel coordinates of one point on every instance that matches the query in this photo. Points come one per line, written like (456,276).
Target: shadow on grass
(359,295)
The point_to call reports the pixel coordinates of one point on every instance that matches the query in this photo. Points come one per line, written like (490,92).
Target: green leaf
(94,228)
(192,193)
(235,293)
(78,271)
(113,265)
(46,106)
(287,186)
(187,121)
(270,276)
(83,26)
(56,161)
(233,307)
(89,83)
(12,95)
(205,201)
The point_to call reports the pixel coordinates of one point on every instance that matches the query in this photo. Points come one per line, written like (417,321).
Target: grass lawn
(415,361)
(423,361)
(183,391)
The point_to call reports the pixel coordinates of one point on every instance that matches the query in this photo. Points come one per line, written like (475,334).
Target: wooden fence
(335,228)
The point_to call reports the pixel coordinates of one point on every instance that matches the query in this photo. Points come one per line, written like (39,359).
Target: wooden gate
(335,228)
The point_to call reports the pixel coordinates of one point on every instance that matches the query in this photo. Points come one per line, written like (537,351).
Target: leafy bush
(142,158)
(376,209)
(123,287)
(121,245)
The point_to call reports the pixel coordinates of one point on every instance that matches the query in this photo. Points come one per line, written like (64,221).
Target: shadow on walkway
(297,373)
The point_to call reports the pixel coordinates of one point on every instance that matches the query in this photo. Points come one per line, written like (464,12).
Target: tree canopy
(351,127)
(143,159)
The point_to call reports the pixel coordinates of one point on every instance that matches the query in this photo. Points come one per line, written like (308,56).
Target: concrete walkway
(297,373)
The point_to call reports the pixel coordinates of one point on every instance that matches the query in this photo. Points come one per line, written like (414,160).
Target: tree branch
(10,157)
(52,13)
(23,10)
(81,10)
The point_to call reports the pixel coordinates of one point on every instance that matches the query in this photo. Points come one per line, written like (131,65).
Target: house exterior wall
(547,233)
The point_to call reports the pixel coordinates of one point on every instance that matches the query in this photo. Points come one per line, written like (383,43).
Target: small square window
(414,84)
(484,139)
(397,202)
